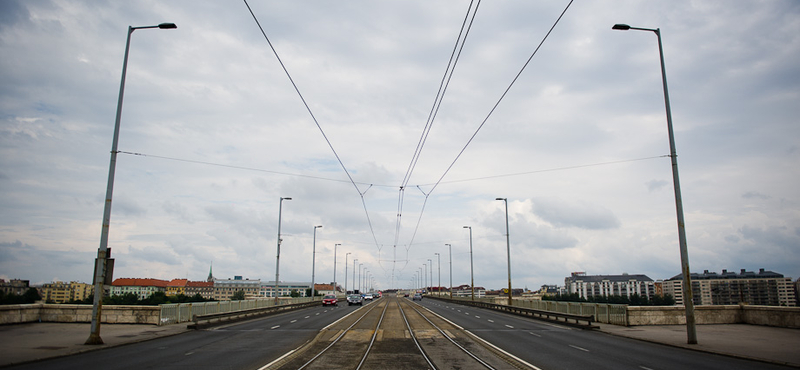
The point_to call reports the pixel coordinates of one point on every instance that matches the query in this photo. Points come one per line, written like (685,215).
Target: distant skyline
(213,133)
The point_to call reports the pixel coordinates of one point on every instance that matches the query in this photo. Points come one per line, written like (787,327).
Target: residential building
(625,285)
(466,291)
(224,289)
(143,288)
(204,288)
(765,288)
(177,286)
(61,292)
(323,289)
(14,286)
(285,288)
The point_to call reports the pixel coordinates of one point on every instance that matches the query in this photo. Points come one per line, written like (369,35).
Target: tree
(294,293)
(238,296)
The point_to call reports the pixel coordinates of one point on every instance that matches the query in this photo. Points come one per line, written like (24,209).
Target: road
(253,344)
(549,346)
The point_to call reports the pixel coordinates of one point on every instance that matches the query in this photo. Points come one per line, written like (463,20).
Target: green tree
(294,293)
(238,296)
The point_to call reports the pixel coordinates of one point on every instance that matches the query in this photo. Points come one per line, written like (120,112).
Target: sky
(572,131)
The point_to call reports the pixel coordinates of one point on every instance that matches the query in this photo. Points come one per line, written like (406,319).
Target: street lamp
(334,268)
(314,259)
(688,299)
(345,272)
(431,264)
(359,277)
(101,269)
(471,276)
(508,250)
(278,258)
(450,246)
(439,263)
(354,274)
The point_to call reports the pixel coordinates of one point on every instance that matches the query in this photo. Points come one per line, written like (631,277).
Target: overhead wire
(296,89)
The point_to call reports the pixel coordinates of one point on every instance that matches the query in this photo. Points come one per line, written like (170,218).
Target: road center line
(275,327)
(293,321)
(582,349)
(509,326)
(534,334)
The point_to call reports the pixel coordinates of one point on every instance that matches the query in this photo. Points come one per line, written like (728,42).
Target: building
(466,291)
(323,289)
(285,288)
(625,285)
(61,292)
(204,288)
(765,288)
(177,286)
(14,286)
(143,288)
(224,289)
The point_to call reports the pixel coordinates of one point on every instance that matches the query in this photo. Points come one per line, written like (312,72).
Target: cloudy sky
(577,145)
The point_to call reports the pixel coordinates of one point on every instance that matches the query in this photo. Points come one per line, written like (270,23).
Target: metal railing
(616,314)
(175,313)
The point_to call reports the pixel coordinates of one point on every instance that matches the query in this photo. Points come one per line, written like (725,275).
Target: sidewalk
(30,342)
(753,342)
(21,343)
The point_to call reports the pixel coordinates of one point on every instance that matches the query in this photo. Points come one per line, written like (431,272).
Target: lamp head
(167,26)
(621,27)
(500,199)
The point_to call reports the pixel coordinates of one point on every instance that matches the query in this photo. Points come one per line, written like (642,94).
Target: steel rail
(374,335)
(414,337)
(451,339)
(341,335)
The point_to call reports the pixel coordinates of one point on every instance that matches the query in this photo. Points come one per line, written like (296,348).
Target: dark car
(330,300)
(355,299)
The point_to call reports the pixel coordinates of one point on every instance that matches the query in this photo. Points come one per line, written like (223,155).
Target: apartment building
(224,289)
(285,288)
(61,292)
(143,288)
(764,288)
(624,285)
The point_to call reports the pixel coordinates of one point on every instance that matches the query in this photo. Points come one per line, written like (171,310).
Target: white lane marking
(293,321)
(534,334)
(317,314)
(307,317)
(477,317)
(582,349)
(645,368)
(490,320)
(275,327)
(188,353)
(509,326)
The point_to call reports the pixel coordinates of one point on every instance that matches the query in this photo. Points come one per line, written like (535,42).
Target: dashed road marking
(579,348)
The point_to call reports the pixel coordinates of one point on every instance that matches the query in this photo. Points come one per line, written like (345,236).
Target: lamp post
(688,299)
(345,272)
(508,250)
(359,277)
(278,258)
(314,259)
(354,274)
(439,264)
(450,246)
(101,269)
(431,264)
(334,268)
(471,276)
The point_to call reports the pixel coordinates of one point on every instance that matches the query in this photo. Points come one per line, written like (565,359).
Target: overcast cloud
(578,145)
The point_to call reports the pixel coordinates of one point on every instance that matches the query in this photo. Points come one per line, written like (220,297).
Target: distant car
(368,296)
(330,300)
(417,297)
(405,295)
(354,299)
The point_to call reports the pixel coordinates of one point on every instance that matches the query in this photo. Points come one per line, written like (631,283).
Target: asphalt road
(549,346)
(247,345)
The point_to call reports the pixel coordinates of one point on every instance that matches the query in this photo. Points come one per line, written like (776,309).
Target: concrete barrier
(41,312)
(785,317)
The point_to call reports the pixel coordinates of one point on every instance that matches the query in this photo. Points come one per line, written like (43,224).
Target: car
(330,300)
(368,296)
(405,295)
(417,297)
(354,299)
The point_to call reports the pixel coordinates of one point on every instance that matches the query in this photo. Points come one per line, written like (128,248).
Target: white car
(368,296)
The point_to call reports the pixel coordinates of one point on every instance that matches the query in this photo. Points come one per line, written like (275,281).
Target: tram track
(393,333)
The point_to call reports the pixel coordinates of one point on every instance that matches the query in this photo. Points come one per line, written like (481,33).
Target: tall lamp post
(508,251)
(334,268)
(439,263)
(471,276)
(431,264)
(102,273)
(314,259)
(688,299)
(345,272)
(278,258)
(354,274)
(450,246)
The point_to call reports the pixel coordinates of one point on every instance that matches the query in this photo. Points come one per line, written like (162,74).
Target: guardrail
(206,320)
(577,320)
(176,313)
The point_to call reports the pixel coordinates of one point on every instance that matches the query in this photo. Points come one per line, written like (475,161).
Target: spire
(210,275)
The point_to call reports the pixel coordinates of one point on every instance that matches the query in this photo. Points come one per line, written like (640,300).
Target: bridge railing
(175,313)
(616,314)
